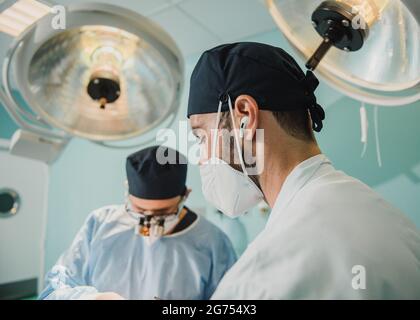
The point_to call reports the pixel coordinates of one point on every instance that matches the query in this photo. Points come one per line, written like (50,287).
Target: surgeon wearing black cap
(151,247)
(329,236)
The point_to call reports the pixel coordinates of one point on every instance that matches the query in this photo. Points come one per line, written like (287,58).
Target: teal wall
(7,126)
(88,176)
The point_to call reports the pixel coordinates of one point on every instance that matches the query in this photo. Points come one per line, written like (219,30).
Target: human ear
(246,110)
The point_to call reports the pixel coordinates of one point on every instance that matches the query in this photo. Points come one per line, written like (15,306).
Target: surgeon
(329,236)
(152,247)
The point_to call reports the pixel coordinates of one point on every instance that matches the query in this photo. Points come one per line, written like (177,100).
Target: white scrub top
(107,256)
(329,236)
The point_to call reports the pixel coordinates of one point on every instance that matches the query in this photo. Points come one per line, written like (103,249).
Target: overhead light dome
(110,75)
(367,49)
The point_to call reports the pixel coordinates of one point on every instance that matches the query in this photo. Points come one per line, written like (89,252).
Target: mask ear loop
(177,217)
(215,132)
(180,207)
(238,146)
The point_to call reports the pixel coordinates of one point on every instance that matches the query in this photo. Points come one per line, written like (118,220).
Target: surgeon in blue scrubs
(151,247)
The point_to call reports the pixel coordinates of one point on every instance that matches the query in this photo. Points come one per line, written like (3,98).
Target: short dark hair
(296,123)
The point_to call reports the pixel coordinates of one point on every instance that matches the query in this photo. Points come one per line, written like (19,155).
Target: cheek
(223,148)
(206,147)
(205,151)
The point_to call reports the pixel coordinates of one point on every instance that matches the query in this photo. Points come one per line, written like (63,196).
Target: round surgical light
(367,49)
(110,75)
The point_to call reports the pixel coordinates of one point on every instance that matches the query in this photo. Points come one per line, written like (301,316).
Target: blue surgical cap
(267,73)
(149,177)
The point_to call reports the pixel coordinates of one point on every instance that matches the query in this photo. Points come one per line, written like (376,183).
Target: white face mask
(230,191)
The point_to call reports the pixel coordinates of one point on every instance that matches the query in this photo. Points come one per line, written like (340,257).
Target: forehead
(148,204)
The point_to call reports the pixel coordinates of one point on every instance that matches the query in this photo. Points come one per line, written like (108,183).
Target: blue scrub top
(107,256)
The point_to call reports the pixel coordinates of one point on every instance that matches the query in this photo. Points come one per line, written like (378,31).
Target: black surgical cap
(149,179)
(268,74)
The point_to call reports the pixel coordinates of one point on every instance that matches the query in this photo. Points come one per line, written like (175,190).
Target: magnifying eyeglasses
(155,223)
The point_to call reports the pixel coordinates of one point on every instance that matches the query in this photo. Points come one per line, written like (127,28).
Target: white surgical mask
(230,191)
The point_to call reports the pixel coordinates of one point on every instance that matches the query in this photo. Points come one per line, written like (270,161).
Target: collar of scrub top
(296,180)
